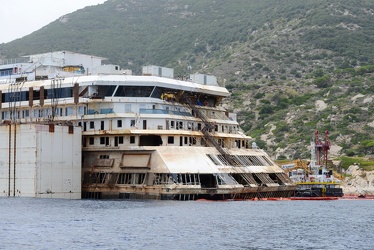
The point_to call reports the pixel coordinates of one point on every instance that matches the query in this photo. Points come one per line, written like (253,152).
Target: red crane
(322,149)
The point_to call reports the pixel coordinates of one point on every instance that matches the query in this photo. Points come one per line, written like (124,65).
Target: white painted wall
(204,79)
(158,71)
(64,58)
(48,164)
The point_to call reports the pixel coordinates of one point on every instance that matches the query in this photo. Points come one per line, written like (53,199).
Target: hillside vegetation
(292,66)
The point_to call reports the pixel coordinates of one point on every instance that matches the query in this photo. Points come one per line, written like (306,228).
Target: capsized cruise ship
(143,137)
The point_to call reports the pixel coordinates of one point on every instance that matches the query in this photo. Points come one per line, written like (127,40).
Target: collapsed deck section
(182,173)
(41,161)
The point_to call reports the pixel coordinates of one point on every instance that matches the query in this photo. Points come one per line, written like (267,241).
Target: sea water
(29,223)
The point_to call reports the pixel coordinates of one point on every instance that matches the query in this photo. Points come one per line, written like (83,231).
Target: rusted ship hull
(181,173)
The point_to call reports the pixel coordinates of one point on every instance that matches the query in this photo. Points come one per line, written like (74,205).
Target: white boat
(147,136)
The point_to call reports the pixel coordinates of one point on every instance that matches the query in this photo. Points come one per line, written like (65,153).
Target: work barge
(97,131)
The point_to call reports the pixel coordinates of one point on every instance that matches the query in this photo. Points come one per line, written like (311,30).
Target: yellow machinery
(298,164)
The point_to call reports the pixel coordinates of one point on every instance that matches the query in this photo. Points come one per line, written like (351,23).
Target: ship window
(6,72)
(186,179)
(104,157)
(162,179)
(134,91)
(171,139)
(92,125)
(104,140)
(101,177)
(189,125)
(208,181)
(139,178)
(127,178)
(36,95)
(14,96)
(132,123)
(106,90)
(172,124)
(144,124)
(180,125)
(98,178)
(157,92)
(124,179)
(150,140)
(119,123)
(118,140)
(194,140)
(80,110)
(92,140)
(55,93)
(132,139)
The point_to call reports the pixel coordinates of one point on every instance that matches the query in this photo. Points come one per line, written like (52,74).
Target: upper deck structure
(148,136)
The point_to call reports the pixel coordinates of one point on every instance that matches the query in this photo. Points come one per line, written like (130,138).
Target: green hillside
(292,66)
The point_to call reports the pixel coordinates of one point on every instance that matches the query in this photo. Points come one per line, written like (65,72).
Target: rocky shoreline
(360,182)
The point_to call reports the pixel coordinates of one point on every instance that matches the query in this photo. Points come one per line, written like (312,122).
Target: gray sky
(22,17)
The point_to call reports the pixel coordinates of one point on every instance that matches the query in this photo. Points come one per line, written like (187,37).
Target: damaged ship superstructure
(149,136)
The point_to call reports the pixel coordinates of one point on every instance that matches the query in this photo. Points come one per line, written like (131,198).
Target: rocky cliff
(360,182)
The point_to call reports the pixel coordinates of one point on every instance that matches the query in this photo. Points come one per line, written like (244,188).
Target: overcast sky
(19,18)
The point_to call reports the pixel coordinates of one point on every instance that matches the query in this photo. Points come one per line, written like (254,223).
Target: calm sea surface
(27,223)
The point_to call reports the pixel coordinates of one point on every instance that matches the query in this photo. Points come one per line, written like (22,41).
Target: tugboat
(315,181)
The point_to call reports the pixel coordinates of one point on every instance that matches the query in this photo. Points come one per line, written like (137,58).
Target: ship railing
(230,159)
(164,112)
(14,60)
(206,130)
